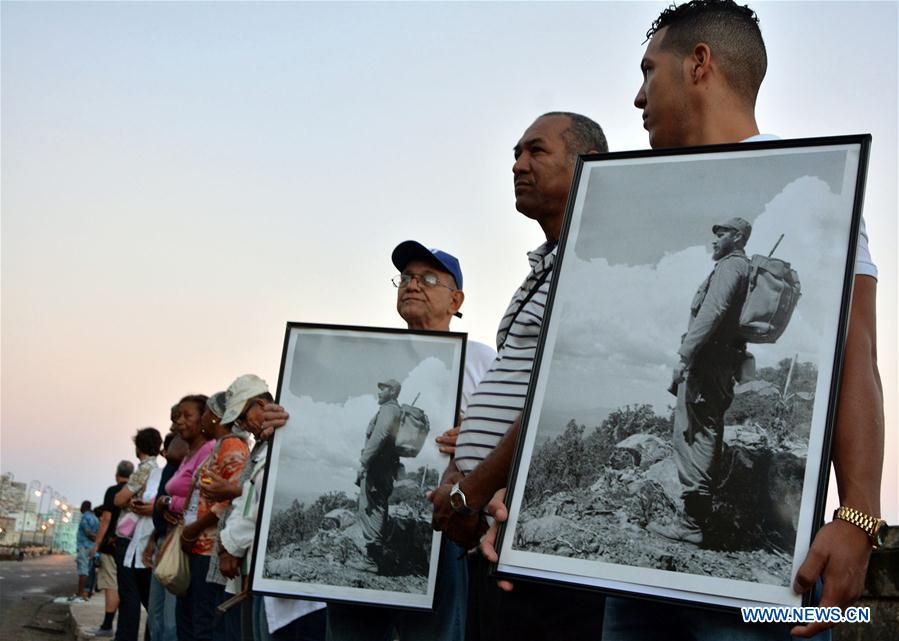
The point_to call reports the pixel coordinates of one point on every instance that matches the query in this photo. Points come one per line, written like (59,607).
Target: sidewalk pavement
(86,617)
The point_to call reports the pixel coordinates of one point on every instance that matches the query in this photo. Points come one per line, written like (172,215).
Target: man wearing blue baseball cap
(429,295)
(429,286)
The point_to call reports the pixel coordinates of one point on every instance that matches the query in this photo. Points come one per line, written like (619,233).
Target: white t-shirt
(478,359)
(144,528)
(864,264)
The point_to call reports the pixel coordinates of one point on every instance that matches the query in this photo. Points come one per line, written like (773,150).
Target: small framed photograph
(344,515)
(676,437)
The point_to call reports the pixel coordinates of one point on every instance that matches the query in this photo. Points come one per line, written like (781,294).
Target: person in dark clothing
(135,529)
(105,545)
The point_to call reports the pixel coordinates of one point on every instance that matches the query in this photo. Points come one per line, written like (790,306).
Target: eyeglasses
(425,280)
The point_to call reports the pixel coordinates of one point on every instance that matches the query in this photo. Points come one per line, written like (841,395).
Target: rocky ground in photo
(336,554)
(754,522)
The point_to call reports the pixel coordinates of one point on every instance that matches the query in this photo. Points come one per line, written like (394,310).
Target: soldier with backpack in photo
(741,301)
(379,465)
(712,354)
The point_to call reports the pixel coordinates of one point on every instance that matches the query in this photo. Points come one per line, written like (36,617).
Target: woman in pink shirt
(182,503)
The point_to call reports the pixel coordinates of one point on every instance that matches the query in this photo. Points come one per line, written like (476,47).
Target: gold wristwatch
(875,528)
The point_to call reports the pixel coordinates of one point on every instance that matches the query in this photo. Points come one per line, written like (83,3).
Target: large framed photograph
(344,515)
(675,440)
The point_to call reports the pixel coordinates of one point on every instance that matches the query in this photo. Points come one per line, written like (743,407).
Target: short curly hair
(148,441)
(730,29)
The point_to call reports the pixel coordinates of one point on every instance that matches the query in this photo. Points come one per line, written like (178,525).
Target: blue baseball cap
(410,250)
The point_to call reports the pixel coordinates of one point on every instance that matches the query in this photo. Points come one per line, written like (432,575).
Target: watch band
(458,501)
(871,525)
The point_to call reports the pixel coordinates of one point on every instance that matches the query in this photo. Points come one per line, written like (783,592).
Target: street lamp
(37,493)
(55,508)
(48,492)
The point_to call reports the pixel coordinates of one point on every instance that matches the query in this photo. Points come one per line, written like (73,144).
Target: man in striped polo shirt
(544,164)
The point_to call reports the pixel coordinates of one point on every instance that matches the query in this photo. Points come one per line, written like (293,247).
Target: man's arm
(134,486)
(101,531)
(839,554)
(479,487)
(451,474)
(237,535)
(123,496)
(92,527)
(491,474)
(86,528)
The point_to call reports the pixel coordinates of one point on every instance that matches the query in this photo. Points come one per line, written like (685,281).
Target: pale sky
(180,180)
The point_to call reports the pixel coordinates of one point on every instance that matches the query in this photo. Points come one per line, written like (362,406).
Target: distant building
(12,496)
(8,533)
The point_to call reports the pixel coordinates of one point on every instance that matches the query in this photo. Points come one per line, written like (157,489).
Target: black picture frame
(329,383)
(625,272)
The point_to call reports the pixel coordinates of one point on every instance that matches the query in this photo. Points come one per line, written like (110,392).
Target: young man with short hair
(702,71)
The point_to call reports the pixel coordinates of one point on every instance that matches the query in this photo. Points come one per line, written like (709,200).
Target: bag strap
(524,301)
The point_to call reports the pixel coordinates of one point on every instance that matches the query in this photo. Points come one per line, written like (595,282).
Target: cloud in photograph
(335,365)
(322,442)
(633,202)
(619,326)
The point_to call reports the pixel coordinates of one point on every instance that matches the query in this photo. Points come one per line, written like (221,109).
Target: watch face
(880,536)
(456,500)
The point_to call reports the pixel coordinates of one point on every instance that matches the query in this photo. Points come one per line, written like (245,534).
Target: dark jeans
(195,611)
(641,620)
(134,591)
(226,626)
(531,612)
(91,582)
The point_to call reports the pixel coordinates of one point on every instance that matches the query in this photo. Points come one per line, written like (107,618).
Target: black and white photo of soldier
(378,467)
(657,442)
(712,354)
(346,515)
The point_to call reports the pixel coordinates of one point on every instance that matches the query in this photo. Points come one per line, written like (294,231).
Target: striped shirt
(499,397)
